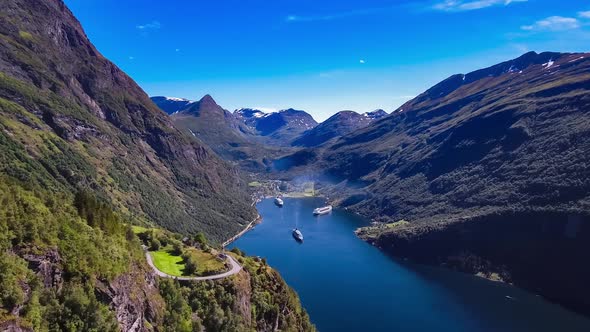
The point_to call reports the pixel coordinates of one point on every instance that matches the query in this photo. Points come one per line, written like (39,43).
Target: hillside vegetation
(56,257)
(84,154)
(70,264)
(70,119)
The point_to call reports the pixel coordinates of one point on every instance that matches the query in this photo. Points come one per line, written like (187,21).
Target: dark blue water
(347,285)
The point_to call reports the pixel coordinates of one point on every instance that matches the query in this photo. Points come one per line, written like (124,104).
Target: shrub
(155,245)
(176,248)
(190,267)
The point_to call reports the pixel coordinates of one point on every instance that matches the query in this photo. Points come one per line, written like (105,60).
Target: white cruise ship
(322,210)
(297,235)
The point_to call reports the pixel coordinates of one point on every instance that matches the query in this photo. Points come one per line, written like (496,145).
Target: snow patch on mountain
(177,99)
(548,65)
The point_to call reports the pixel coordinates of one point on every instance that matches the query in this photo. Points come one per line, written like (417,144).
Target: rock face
(48,267)
(12,326)
(58,92)
(135,298)
(339,124)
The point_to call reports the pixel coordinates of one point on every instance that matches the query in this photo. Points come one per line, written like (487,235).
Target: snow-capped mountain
(279,127)
(337,125)
(171,105)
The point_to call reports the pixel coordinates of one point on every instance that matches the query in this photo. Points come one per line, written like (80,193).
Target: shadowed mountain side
(478,157)
(337,125)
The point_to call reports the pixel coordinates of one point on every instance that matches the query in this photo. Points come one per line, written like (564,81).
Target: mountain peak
(376,114)
(207,100)
(525,62)
(171,105)
(247,113)
(339,124)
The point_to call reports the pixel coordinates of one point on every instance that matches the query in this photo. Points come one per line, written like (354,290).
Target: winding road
(235,268)
(237,236)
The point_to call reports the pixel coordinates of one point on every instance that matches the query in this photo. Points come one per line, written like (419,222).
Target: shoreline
(258,219)
(249,227)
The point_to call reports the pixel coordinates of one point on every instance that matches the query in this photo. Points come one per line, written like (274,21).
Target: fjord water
(347,285)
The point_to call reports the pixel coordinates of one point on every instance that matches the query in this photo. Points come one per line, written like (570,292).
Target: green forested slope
(52,255)
(71,120)
(83,154)
(70,264)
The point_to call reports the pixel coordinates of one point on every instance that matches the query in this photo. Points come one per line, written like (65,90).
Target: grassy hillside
(70,119)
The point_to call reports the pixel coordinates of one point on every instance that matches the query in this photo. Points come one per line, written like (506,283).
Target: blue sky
(321,56)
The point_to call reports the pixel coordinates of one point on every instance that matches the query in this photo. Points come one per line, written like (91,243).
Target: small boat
(297,235)
(322,210)
(278,201)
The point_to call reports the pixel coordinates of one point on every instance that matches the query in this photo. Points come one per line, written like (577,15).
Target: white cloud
(553,23)
(153,25)
(465,5)
(131,58)
(338,15)
(362,61)
(584,14)
(177,50)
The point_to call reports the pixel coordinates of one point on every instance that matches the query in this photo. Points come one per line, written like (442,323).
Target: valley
(118,210)
(497,155)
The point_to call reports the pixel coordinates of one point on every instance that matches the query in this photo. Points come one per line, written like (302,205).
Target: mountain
(376,114)
(249,116)
(211,114)
(278,128)
(488,170)
(171,105)
(226,134)
(74,120)
(84,154)
(337,125)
